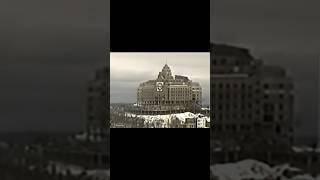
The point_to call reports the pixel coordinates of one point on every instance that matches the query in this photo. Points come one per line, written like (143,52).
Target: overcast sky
(128,70)
(282,32)
(49,49)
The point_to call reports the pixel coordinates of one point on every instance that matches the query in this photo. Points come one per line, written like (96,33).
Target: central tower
(165,74)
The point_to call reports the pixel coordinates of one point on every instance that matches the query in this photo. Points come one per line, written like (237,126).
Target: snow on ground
(166,119)
(252,169)
(99,174)
(305,149)
(62,168)
(302,149)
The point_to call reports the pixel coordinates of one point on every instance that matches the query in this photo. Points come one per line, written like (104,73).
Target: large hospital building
(168,92)
(250,99)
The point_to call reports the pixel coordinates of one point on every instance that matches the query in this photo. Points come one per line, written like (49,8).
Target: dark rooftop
(227,50)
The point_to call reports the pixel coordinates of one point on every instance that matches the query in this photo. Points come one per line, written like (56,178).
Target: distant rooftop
(228,50)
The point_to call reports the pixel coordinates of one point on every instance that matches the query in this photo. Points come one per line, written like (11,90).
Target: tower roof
(166,68)
(166,72)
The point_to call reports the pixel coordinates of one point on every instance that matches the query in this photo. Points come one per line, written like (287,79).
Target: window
(268,118)
(280,117)
(223,61)
(278,129)
(243,96)
(234,115)
(268,107)
(281,106)
(214,62)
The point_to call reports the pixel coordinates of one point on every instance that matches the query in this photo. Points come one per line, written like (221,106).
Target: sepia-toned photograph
(160,90)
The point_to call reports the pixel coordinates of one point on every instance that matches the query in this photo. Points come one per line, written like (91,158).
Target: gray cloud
(49,50)
(267,25)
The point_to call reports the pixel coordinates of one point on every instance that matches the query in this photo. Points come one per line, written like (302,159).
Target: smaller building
(202,122)
(191,123)
(97,106)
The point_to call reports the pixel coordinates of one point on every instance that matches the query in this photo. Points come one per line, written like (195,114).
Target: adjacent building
(98,106)
(251,102)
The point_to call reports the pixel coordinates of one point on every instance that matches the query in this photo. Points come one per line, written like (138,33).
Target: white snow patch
(252,169)
(302,149)
(62,168)
(165,120)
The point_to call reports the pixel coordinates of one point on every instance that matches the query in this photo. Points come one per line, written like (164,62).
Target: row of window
(244,85)
(224,61)
(234,85)
(266,107)
(164,102)
(244,96)
(235,116)
(216,91)
(242,127)
(234,95)
(233,127)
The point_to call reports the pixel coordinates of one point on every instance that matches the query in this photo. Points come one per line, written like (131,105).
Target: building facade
(98,106)
(251,102)
(168,92)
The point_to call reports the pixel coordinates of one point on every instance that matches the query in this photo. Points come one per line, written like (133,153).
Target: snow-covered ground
(62,168)
(252,169)
(304,149)
(166,120)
